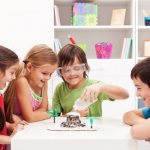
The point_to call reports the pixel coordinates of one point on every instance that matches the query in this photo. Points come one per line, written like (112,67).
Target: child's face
(40,75)
(8,76)
(73,74)
(143,91)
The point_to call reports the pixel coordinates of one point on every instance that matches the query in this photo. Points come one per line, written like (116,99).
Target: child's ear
(29,67)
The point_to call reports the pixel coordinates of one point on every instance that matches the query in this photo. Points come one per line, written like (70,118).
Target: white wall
(25,23)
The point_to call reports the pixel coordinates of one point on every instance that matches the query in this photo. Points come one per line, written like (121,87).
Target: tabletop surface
(102,128)
(105,130)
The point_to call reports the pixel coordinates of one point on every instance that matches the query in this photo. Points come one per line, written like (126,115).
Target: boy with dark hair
(140,118)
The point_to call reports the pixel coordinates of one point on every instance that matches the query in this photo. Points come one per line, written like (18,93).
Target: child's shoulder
(89,81)
(61,84)
(22,81)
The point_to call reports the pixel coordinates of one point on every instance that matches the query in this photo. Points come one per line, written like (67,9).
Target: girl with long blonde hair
(26,97)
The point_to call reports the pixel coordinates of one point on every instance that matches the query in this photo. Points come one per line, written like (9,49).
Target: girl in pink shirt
(29,90)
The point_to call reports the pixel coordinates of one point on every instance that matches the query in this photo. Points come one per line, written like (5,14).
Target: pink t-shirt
(35,102)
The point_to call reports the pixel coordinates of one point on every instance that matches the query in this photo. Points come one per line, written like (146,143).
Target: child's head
(72,61)
(40,62)
(9,62)
(140,75)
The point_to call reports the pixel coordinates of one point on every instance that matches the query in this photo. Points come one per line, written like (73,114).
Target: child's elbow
(29,119)
(126,95)
(135,133)
(126,117)
(140,132)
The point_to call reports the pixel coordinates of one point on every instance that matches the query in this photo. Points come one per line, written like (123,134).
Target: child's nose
(48,77)
(72,71)
(13,77)
(137,94)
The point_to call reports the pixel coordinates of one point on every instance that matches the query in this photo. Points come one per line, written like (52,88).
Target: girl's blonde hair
(38,56)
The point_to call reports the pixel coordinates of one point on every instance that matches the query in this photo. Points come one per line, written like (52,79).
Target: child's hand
(19,120)
(45,86)
(147,140)
(23,122)
(19,127)
(84,112)
(11,126)
(91,92)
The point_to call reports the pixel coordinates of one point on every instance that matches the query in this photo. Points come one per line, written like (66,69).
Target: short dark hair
(142,70)
(68,54)
(7,58)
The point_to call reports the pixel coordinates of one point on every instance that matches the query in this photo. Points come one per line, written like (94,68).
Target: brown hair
(68,54)
(142,70)
(39,55)
(2,120)
(7,58)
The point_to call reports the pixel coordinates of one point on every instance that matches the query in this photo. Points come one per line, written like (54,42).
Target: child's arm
(133,117)
(19,120)
(23,96)
(4,139)
(141,131)
(113,91)
(12,126)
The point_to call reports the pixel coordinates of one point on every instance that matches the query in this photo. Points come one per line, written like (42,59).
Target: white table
(111,134)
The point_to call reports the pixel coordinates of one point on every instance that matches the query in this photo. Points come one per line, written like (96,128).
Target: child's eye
(12,73)
(66,70)
(45,73)
(77,68)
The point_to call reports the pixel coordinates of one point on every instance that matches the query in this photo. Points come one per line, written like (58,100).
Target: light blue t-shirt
(146,112)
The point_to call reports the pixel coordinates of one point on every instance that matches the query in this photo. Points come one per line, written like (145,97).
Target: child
(73,69)
(9,63)
(31,100)
(140,75)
